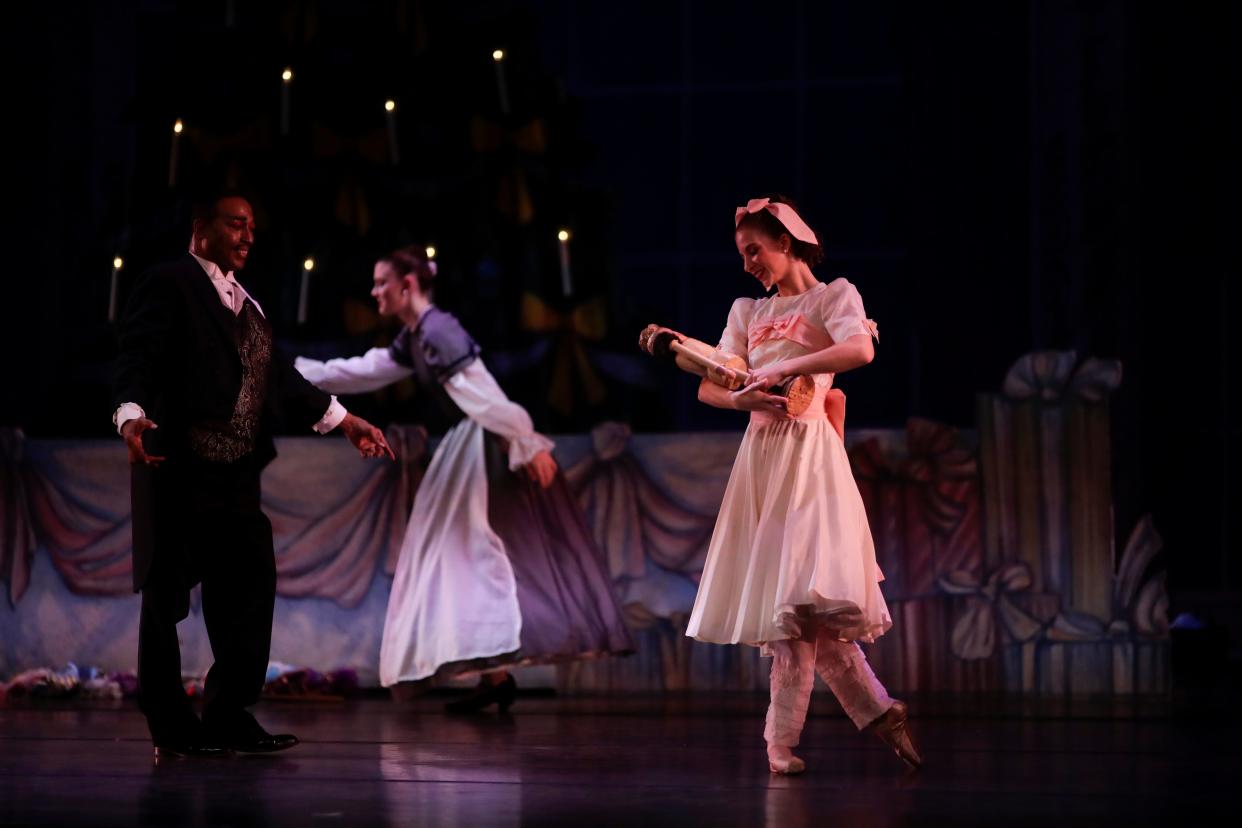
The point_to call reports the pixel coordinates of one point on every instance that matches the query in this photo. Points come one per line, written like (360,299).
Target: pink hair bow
(785,214)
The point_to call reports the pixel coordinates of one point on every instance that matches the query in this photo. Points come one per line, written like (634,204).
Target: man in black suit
(197,357)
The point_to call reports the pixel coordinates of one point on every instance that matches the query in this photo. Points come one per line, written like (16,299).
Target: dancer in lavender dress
(498,567)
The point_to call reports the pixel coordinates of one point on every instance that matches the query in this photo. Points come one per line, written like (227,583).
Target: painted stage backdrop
(1003,572)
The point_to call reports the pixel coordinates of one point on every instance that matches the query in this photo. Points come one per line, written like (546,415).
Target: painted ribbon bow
(1050,375)
(974,634)
(932,457)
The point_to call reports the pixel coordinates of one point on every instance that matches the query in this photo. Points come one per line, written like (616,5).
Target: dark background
(996,178)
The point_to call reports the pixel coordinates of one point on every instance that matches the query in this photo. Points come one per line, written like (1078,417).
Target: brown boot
(893,730)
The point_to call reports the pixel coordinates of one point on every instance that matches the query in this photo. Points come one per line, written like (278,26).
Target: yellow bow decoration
(531,137)
(352,209)
(246,138)
(328,143)
(585,322)
(513,197)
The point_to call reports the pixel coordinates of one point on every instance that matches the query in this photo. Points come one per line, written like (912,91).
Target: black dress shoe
(237,730)
(190,748)
(486,693)
(260,742)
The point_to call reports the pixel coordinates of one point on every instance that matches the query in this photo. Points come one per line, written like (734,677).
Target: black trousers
(221,539)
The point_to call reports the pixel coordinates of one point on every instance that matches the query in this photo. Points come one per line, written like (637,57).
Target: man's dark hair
(204,206)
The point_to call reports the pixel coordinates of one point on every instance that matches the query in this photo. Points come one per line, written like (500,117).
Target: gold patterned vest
(227,442)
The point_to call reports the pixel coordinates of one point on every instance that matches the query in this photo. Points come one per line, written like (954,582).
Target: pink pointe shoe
(782,761)
(892,728)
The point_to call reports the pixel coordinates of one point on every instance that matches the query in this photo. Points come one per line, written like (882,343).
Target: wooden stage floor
(678,761)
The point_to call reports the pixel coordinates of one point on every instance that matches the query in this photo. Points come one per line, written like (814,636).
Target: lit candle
(286,78)
(116,272)
(390,112)
(567,284)
(178,128)
(304,293)
(502,89)
(431,252)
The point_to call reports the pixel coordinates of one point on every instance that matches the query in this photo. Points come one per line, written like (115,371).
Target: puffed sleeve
(734,340)
(399,348)
(447,347)
(481,398)
(843,313)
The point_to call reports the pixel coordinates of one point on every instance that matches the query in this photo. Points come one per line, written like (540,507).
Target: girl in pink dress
(791,565)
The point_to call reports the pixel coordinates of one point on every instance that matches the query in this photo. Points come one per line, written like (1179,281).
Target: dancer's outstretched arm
(353,375)
(481,398)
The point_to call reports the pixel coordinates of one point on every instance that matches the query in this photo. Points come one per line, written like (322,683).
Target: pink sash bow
(793,327)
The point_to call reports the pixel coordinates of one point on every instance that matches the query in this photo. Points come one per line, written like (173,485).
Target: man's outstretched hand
(368,439)
(132,432)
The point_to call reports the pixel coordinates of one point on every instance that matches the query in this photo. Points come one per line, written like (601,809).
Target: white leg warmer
(845,670)
(793,675)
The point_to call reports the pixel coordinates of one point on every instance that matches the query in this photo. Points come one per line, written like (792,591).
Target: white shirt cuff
(523,449)
(126,412)
(331,418)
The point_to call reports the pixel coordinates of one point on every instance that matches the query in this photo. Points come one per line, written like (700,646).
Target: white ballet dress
(791,544)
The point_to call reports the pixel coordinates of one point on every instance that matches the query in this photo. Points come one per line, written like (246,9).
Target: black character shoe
(243,734)
(189,748)
(184,736)
(486,693)
(262,742)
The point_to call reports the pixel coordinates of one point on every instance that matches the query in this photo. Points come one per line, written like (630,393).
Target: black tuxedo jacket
(179,361)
